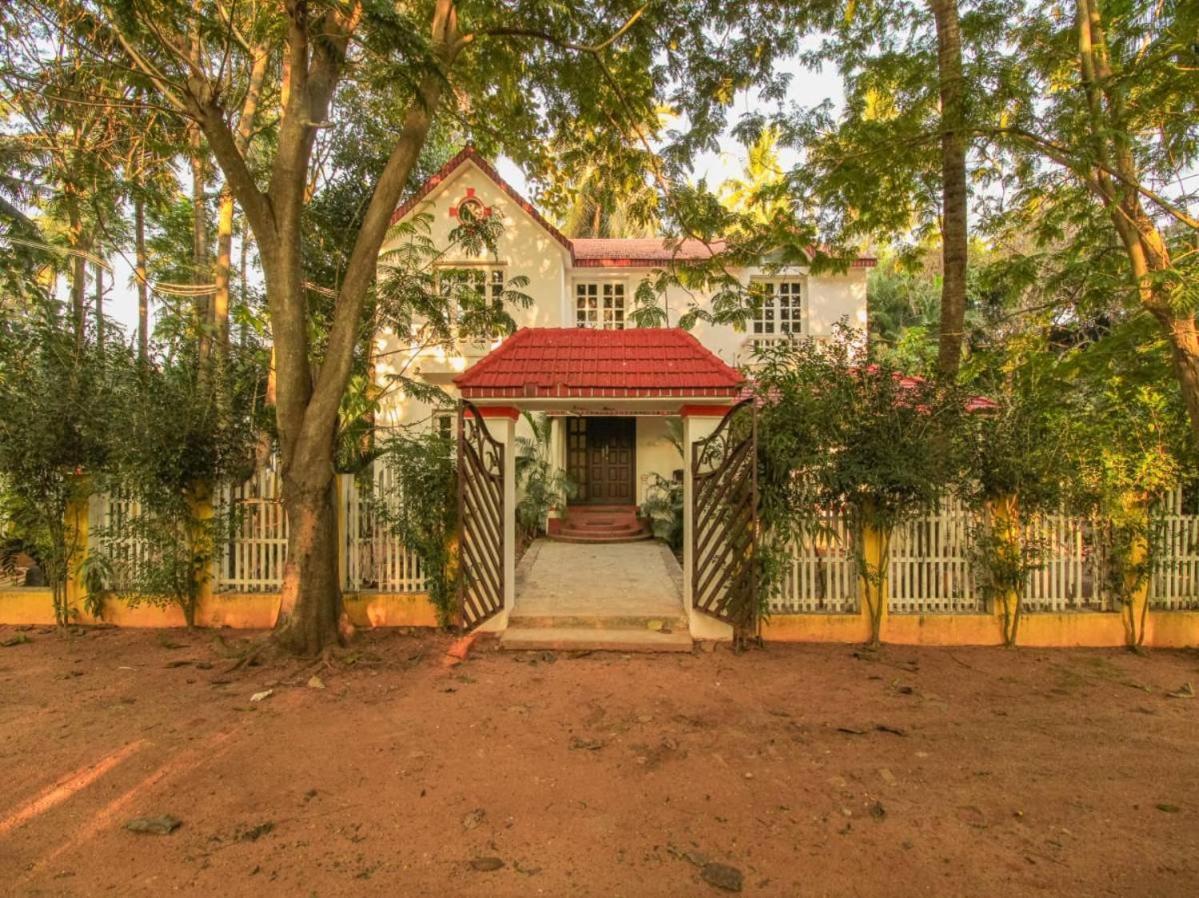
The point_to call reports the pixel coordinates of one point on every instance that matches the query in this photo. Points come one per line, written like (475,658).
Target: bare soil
(811,770)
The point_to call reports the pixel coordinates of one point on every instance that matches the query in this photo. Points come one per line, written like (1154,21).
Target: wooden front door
(601,459)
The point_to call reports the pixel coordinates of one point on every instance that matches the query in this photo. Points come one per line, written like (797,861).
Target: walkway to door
(611,580)
(624,597)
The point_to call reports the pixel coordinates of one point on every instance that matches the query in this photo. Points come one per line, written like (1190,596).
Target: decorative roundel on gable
(470,207)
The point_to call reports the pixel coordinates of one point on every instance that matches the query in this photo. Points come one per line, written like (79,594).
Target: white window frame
(783,313)
(600,304)
(495,282)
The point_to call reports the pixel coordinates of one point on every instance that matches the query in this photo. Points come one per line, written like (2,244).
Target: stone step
(657,623)
(602,525)
(579,536)
(589,639)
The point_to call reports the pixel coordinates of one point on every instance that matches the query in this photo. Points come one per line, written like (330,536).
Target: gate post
(699,423)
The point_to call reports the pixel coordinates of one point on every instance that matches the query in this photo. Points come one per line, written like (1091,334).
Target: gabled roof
(582,363)
(470,154)
(585,252)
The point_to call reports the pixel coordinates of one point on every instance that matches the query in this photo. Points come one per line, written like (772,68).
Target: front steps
(587,633)
(601,524)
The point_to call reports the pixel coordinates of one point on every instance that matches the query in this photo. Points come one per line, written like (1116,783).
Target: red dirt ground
(1025,772)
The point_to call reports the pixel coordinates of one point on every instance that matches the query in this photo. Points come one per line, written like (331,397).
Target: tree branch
(1062,156)
(321,413)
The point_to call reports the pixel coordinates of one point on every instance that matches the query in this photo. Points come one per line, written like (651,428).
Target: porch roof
(585,363)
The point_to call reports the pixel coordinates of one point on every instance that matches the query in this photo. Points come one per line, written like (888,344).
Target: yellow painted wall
(237,610)
(1164,629)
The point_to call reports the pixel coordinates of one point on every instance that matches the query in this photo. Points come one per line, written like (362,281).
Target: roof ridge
(468,153)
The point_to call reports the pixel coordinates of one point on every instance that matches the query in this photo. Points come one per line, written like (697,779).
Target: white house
(609,387)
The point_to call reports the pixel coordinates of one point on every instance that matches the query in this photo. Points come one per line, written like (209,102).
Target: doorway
(601,460)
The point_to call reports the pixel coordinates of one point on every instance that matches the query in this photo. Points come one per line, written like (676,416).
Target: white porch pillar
(557,449)
(501,423)
(699,422)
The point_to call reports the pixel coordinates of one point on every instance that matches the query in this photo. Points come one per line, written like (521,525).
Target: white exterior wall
(655,453)
(526,248)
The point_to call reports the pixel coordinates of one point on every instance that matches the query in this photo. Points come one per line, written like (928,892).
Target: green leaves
(542,486)
(836,432)
(424,513)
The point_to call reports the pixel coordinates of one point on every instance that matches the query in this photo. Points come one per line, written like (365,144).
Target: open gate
(480,519)
(724,523)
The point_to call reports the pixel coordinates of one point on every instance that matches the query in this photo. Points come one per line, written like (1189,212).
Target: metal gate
(480,519)
(724,522)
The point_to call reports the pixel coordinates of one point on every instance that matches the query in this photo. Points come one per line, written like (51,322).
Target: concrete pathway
(607,580)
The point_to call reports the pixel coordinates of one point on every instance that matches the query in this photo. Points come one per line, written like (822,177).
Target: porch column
(501,423)
(557,450)
(699,422)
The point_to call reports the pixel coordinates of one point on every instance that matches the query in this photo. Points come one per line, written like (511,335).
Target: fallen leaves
(1186,690)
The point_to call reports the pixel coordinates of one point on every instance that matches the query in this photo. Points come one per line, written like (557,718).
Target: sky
(807,89)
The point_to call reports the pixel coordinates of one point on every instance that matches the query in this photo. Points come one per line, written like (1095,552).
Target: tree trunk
(224,256)
(78,269)
(954,235)
(1144,243)
(224,228)
(309,395)
(310,600)
(143,293)
(1184,351)
(98,311)
(243,249)
(200,267)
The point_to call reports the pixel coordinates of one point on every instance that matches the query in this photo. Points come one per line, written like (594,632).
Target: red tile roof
(585,252)
(581,363)
(596,252)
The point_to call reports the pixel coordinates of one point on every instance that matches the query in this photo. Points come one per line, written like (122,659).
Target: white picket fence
(930,569)
(109,515)
(374,558)
(1070,577)
(821,574)
(1175,581)
(253,558)
(931,572)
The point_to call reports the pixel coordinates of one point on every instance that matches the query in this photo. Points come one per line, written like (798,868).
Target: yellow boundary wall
(237,610)
(1163,629)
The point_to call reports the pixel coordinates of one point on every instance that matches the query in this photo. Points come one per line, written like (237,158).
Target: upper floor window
(600,305)
(486,282)
(782,310)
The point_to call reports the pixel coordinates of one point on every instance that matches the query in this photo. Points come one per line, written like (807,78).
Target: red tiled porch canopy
(585,363)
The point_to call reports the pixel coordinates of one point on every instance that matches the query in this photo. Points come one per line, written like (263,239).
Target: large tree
(892,164)
(522,77)
(1100,127)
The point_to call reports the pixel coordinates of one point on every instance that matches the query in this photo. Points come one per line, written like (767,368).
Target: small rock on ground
(486,864)
(722,876)
(162,825)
